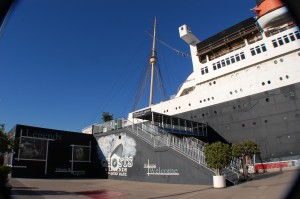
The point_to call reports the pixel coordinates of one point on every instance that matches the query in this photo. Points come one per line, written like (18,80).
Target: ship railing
(275,31)
(228,38)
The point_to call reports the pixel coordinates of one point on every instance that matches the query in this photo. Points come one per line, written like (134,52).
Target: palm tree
(106,117)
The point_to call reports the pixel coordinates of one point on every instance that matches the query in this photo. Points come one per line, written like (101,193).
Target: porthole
(176,108)
(280,78)
(254,123)
(266,121)
(235,91)
(263,83)
(233,107)
(208,99)
(230,92)
(275,62)
(204,100)
(214,82)
(200,101)
(179,107)
(267,99)
(203,114)
(212,98)
(119,136)
(241,90)
(298,53)
(243,125)
(210,83)
(215,112)
(269,82)
(258,67)
(287,76)
(189,104)
(281,60)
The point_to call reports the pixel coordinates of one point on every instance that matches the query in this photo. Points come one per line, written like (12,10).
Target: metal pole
(152,62)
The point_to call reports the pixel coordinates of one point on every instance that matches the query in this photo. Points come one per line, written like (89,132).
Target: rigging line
(108,100)
(141,87)
(160,81)
(172,48)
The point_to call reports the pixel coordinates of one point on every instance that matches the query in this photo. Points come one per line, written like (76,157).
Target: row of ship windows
(263,84)
(286,39)
(224,62)
(258,49)
(254,51)
(201,101)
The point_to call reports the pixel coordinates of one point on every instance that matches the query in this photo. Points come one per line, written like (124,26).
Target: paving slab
(262,186)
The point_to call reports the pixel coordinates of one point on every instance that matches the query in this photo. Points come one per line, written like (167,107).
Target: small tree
(242,150)
(7,145)
(217,156)
(106,117)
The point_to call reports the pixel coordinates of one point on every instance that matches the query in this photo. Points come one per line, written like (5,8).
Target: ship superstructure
(245,82)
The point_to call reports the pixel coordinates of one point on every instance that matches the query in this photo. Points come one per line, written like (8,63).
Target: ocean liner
(244,84)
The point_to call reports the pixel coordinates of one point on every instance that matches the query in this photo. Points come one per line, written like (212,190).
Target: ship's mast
(152,62)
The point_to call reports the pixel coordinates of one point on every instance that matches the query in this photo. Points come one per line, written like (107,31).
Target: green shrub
(217,156)
(4,171)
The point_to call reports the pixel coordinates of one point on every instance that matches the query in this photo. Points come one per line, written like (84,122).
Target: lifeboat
(271,13)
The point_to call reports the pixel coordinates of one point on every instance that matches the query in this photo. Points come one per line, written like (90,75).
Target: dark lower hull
(272,119)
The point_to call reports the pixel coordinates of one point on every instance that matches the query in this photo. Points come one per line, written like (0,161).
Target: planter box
(219,181)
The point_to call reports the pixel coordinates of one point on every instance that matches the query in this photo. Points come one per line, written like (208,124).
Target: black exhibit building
(48,153)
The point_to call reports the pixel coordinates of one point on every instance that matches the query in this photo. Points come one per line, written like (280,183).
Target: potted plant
(244,150)
(218,156)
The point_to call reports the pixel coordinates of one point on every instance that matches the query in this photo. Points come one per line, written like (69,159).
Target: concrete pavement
(264,186)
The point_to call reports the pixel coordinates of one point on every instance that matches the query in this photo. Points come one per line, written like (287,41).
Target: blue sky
(64,62)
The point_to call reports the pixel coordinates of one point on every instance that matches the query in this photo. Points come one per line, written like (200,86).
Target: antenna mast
(152,62)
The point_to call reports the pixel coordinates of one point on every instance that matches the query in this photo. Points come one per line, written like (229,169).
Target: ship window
(214,66)
(280,78)
(218,64)
(232,59)
(292,37)
(237,57)
(286,39)
(243,55)
(275,44)
(297,34)
(223,63)
(204,70)
(280,41)
(263,47)
(227,61)
(252,52)
(258,50)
